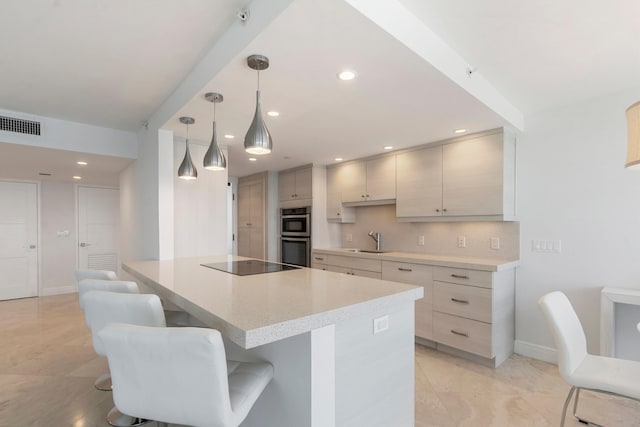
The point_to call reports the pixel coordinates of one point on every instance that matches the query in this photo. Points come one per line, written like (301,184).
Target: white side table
(608,300)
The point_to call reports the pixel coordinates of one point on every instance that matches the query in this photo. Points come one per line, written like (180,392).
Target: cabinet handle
(362,195)
(249,224)
(462,334)
(458,276)
(444,210)
(367,196)
(318,258)
(437,210)
(461,301)
(404,269)
(338,213)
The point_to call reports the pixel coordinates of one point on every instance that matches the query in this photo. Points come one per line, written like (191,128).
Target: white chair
(103,308)
(103,382)
(580,369)
(95,274)
(181,376)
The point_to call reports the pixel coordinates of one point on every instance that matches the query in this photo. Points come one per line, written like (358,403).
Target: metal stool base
(103,382)
(118,419)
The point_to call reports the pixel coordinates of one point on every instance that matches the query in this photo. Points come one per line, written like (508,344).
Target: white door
(18,239)
(98,228)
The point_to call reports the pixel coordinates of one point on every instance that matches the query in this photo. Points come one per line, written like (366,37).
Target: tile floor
(47,369)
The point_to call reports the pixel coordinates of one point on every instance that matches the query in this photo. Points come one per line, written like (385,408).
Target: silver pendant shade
(187,169)
(214,158)
(258,139)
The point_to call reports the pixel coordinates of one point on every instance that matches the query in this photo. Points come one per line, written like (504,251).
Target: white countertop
(263,308)
(484,264)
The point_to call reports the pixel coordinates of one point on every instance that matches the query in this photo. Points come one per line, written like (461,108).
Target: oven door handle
(294,216)
(295,239)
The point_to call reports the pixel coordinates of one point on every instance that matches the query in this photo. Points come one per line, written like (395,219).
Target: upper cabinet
(336,212)
(294,187)
(467,179)
(368,182)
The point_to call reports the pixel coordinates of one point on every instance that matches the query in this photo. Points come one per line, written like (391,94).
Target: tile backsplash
(439,237)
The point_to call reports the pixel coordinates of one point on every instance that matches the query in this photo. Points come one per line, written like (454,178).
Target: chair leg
(566,405)
(103,382)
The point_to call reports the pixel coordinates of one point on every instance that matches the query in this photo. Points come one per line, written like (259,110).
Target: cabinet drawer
(318,266)
(355,262)
(464,334)
(462,276)
(318,258)
(465,301)
(413,274)
(354,272)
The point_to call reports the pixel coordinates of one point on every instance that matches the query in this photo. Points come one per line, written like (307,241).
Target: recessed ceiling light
(77,177)
(346,75)
(459,131)
(273,113)
(388,147)
(252,159)
(229,136)
(82,163)
(338,159)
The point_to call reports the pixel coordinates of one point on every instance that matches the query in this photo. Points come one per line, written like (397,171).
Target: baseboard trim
(535,351)
(57,291)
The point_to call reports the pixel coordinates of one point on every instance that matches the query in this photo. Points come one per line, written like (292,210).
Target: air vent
(11,124)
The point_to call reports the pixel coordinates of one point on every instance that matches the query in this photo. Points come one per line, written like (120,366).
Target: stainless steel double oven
(295,236)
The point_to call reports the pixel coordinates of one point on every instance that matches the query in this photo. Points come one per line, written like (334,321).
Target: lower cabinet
(419,275)
(464,309)
(474,311)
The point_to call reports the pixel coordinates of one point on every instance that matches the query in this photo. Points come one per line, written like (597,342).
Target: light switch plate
(462,241)
(349,237)
(546,246)
(420,240)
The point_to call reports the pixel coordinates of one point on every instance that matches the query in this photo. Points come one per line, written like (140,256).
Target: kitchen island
(333,367)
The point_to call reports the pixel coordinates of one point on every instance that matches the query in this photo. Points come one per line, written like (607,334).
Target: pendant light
(187,170)
(633,137)
(258,140)
(214,159)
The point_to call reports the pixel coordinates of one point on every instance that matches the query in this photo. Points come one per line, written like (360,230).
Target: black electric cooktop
(248,267)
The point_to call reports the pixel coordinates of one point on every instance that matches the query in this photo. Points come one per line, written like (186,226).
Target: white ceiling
(112,63)
(27,162)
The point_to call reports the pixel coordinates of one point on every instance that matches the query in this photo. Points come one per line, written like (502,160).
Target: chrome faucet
(377,237)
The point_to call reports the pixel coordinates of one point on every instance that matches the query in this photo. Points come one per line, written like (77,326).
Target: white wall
(58,253)
(200,207)
(73,136)
(572,186)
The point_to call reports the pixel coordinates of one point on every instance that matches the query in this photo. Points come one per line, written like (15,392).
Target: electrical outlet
(495,243)
(462,241)
(349,237)
(380,324)
(420,240)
